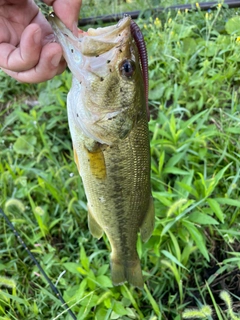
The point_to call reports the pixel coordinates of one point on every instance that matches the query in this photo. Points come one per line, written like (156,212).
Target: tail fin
(129,271)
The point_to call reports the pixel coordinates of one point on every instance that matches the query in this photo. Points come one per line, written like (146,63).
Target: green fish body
(109,128)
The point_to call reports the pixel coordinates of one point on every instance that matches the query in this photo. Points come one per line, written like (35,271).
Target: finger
(50,64)
(67,11)
(26,55)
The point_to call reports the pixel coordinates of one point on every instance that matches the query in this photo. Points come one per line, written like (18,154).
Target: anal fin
(147,226)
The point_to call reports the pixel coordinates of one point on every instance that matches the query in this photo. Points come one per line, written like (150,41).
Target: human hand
(27,50)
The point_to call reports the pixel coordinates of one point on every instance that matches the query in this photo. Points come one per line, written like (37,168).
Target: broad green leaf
(5,294)
(157,91)
(119,309)
(104,281)
(214,205)
(174,170)
(235,260)
(185,185)
(189,46)
(181,31)
(187,189)
(173,259)
(72,267)
(162,197)
(102,313)
(196,118)
(161,161)
(230,202)
(210,48)
(175,159)
(233,25)
(210,184)
(24,144)
(233,130)
(103,269)
(84,259)
(202,218)
(197,237)
(188,249)
(175,245)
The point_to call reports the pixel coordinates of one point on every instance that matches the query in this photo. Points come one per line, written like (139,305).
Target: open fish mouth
(94,58)
(101,41)
(94,41)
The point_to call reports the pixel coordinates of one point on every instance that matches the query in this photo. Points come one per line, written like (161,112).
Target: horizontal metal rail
(134,14)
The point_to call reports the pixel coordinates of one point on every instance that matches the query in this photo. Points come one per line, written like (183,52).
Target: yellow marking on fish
(76,159)
(97,163)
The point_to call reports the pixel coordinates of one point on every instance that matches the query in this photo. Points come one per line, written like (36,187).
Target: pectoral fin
(147,226)
(97,163)
(76,159)
(93,226)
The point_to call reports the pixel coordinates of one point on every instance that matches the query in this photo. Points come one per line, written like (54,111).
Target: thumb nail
(56,59)
(75,29)
(37,36)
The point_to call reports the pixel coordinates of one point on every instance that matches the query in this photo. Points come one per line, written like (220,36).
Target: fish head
(107,95)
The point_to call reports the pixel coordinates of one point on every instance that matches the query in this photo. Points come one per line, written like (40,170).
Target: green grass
(91,8)
(194,251)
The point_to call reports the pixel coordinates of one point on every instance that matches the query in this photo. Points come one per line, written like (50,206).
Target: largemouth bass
(108,121)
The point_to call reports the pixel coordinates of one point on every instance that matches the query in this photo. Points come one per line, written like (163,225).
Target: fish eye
(127,68)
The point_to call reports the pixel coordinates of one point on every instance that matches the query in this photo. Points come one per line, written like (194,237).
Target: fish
(108,121)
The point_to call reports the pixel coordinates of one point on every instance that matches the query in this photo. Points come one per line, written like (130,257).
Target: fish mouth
(90,56)
(111,30)
(104,43)
(94,41)
(58,25)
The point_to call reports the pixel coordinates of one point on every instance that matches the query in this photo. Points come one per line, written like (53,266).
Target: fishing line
(54,289)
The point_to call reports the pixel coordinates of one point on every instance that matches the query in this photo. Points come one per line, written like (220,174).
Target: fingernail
(75,29)
(37,36)
(56,59)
